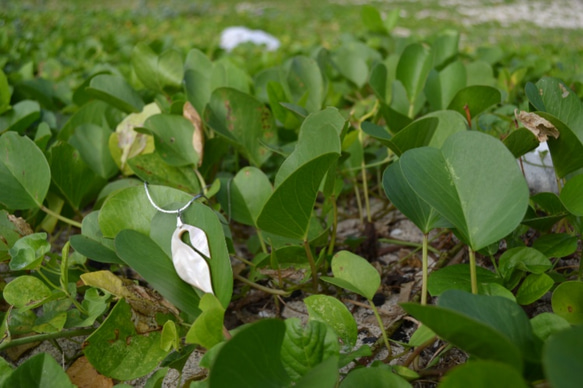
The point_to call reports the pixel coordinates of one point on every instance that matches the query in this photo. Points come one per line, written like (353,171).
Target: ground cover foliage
(284,146)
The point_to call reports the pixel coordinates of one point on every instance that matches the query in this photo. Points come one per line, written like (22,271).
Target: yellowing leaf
(190,113)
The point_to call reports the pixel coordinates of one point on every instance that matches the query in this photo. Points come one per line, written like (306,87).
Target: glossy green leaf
(304,347)
(244,121)
(407,201)
(474,182)
(457,277)
(116,350)
(173,138)
(150,261)
(562,358)
(92,142)
(323,375)
(334,313)
(91,242)
(483,326)
(442,86)
(571,195)
(201,216)
(449,123)
(521,141)
(158,72)
(354,273)
(154,170)
(416,134)
(245,195)
(566,150)
(130,209)
(251,358)
(483,374)
(29,251)
(373,378)
(115,91)
(305,83)
(207,329)
(567,301)
(76,181)
(24,173)
(523,259)
(556,244)
(533,287)
(25,290)
(22,115)
(477,98)
(545,324)
(39,371)
(413,69)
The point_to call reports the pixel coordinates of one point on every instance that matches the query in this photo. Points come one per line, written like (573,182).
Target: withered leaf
(541,127)
(83,374)
(190,113)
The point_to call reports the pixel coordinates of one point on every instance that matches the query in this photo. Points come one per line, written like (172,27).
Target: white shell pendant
(190,264)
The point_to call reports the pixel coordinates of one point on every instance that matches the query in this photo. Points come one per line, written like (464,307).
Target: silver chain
(177,211)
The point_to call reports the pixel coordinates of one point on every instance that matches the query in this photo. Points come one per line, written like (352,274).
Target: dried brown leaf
(541,127)
(190,113)
(83,374)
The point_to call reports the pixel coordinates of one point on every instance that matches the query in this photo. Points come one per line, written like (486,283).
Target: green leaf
(76,181)
(150,261)
(474,182)
(5,371)
(407,201)
(173,139)
(158,72)
(305,347)
(252,358)
(373,378)
(416,134)
(442,86)
(556,244)
(92,142)
(116,350)
(305,83)
(94,304)
(22,115)
(129,208)
(323,375)
(207,330)
(413,69)
(567,301)
(29,251)
(24,173)
(523,259)
(5,93)
(115,91)
(91,242)
(533,287)
(154,170)
(94,112)
(25,291)
(566,150)
(476,325)
(244,121)
(169,338)
(571,195)
(334,313)
(477,98)
(355,274)
(371,19)
(245,195)
(483,374)
(39,371)
(445,48)
(457,277)
(521,141)
(562,358)
(545,324)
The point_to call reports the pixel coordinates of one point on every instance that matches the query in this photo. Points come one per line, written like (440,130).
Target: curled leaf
(541,127)
(190,113)
(189,260)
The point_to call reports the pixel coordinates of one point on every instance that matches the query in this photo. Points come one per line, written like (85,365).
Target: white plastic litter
(231,37)
(539,171)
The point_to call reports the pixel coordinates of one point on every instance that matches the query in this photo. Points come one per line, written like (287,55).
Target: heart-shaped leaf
(158,72)
(412,71)
(24,173)
(476,99)
(474,182)
(355,274)
(173,137)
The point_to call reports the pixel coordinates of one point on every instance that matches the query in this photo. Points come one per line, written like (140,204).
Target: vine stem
(424,261)
(381,325)
(44,337)
(260,287)
(334,225)
(312,265)
(473,277)
(60,217)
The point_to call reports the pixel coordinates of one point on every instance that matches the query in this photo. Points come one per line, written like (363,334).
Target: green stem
(358,201)
(407,244)
(334,225)
(261,241)
(260,287)
(424,261)
(381,325)
(473,277)
(44,337)
(60,217)
(312,265)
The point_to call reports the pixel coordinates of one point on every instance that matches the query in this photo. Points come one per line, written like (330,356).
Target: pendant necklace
(190,261)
